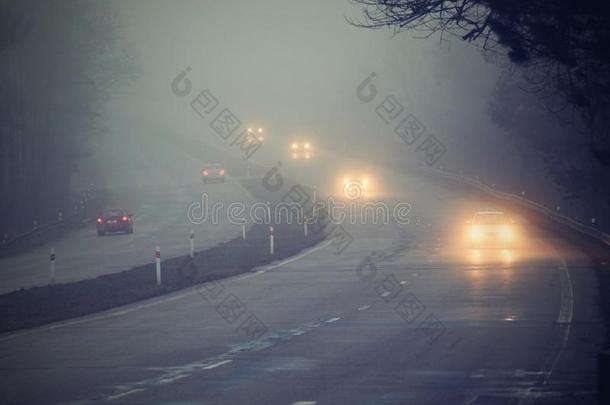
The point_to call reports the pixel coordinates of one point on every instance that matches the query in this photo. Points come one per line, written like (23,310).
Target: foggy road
(160,220)
(506,328)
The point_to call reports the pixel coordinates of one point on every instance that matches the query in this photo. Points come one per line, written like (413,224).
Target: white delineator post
(305,226)
(192,243)
(158,263)
(271,237)
(52,266)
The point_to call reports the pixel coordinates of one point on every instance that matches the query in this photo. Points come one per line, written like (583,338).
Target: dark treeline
(59,61)
(560,46)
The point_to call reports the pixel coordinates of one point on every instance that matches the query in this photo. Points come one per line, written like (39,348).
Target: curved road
(421,320)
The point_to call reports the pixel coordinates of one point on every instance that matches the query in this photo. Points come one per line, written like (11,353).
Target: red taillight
(205,172)
(99,220)
(222,172)
(125,218)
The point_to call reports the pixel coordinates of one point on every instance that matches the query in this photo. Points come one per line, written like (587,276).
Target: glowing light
(475,233)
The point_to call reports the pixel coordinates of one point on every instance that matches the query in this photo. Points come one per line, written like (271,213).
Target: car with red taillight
(114,220)
(213,173)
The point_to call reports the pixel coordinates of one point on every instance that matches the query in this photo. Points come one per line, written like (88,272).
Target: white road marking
(331,320)
(564,319)
(297,257)
(213,366)
(245,276)
(124,394)
(385,294)
(304,403)
(567,294)
(173,373)
(364,308)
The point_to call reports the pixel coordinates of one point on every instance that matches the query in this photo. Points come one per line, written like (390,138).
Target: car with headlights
(213,173)
(356,187)
(301,150)
(491,229)
(114,220)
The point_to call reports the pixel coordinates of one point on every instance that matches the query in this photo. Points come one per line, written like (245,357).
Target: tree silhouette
(59,63)
(561,44)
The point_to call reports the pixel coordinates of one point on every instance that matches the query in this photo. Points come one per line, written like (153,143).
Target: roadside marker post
(271,240)
(305,226)
(52,266)
(243,230)
(158,264)
(192,243)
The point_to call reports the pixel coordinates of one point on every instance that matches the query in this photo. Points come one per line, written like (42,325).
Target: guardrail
(90,202)
(520,200)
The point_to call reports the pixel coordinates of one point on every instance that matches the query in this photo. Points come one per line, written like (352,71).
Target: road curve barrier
(520,200)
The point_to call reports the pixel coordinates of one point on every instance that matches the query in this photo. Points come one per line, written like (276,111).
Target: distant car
(356,187)
(491,229)
(114,220)
(213,173)
(301,150)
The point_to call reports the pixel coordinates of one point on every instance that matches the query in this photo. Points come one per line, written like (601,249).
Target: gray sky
(293,68)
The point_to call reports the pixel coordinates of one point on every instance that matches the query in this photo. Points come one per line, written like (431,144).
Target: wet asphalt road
(406,314)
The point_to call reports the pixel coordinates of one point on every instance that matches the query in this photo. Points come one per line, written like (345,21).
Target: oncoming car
(213,173)
(114,220)
(491,229)
(356,187)
(301,150)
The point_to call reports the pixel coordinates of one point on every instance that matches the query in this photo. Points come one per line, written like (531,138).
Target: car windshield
(490,219)
(113,213)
